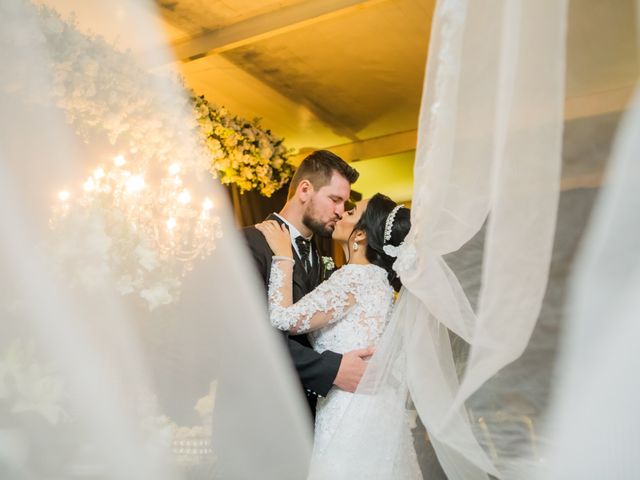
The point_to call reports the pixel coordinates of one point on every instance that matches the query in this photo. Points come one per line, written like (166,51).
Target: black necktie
(304,247)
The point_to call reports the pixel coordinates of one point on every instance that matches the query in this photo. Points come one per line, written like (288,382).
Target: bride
(352,308)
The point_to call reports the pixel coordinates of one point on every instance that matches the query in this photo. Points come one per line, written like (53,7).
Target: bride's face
(344,226)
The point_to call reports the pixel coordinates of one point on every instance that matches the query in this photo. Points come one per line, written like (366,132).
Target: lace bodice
(353,305)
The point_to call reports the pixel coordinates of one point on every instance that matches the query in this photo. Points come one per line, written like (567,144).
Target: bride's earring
(355,246)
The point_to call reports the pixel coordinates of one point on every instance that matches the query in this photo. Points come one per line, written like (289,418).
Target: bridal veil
(134,338)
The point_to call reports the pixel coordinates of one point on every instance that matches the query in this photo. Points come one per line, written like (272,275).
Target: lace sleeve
(324,305)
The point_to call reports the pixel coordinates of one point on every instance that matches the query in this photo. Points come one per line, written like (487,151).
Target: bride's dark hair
(372,222)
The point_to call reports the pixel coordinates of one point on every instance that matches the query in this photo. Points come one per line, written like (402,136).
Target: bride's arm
(324,305)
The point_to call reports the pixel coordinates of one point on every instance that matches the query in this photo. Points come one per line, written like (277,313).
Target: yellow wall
(392,176)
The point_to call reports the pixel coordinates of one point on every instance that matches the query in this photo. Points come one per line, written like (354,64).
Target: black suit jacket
(316,371)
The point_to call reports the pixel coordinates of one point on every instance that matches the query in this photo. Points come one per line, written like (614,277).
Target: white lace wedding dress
(348,311)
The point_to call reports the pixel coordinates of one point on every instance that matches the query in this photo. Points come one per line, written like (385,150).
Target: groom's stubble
(313,221)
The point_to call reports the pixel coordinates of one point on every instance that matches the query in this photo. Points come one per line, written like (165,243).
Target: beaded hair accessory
(391,250)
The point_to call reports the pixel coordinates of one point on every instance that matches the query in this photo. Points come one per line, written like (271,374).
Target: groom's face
(326,206)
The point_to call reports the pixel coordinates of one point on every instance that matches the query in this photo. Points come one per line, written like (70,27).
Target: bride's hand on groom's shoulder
(277,237)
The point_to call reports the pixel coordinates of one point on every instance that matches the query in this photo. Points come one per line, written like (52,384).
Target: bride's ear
(359,236)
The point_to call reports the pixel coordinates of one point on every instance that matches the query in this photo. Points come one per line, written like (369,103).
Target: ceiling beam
(370,148)
(577,107)
(265,26)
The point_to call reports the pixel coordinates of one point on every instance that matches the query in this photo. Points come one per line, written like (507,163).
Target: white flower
(266,152)
(125,285)
(207,127)
(203,110)
(328,263)
(205,405)
(249,133)
(147,258)
(91,68)
(156,296)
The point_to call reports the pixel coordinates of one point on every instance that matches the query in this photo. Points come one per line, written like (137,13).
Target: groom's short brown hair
(318,167)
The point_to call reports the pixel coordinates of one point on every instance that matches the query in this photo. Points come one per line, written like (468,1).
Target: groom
(317,194)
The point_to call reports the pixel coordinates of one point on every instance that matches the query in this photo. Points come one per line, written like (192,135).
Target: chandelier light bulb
(207,204)
(119,161)
(171,224)
(184,197)
(98,173)
(135,183)
(174,169)
(63,195)
(89,185)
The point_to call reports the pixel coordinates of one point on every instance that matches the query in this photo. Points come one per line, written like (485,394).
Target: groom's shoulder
(253,236)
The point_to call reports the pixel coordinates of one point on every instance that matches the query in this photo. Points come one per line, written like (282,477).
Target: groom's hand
(352,368)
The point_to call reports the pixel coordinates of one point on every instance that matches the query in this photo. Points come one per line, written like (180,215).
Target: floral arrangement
(242,152)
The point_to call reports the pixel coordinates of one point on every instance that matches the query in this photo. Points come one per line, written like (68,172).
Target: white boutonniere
(327,267)
(328,264)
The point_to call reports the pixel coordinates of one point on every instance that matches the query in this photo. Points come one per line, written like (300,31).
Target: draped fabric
(101,377)
(593,418)
(491,126)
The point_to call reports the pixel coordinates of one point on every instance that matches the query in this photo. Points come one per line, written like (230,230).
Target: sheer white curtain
(95,383)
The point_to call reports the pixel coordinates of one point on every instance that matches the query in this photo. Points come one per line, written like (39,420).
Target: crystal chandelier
(179,227)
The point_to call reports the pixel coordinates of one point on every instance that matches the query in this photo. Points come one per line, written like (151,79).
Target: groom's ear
(305,190)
